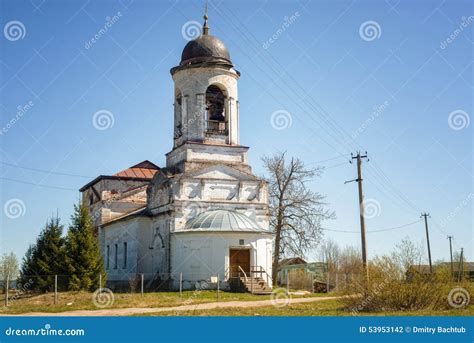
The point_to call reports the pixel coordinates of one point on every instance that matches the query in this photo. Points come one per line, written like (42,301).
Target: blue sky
(380,76)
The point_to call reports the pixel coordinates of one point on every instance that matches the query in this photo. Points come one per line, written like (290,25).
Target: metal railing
(243,272)
(216,127)
(255,270)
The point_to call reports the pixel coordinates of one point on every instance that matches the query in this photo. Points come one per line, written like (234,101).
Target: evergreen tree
(48,256)
(84,259)
(28,266)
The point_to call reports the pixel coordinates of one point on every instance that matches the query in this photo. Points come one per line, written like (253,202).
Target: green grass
(319,308)
(83,300)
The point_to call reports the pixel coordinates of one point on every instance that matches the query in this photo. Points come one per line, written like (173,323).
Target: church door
(239,257)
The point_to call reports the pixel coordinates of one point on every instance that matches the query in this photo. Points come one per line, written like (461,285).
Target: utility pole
(359,179)
(461,266)
(451,254)
(426,215)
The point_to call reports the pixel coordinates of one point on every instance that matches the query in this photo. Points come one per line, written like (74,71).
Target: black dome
(205,49)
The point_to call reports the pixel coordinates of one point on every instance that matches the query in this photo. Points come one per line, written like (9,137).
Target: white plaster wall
(129,231)
(200,255)
(157,238)
(207,153)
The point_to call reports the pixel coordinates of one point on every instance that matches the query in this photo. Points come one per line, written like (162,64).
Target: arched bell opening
(216,116)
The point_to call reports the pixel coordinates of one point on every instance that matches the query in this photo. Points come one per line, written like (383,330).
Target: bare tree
(329,253)
(350,263)
(8,268)
(296,212)
(407,254)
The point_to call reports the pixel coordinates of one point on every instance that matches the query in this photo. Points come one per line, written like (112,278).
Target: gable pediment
(221,172)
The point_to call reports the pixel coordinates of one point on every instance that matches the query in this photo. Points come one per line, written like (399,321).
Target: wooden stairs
(254,284)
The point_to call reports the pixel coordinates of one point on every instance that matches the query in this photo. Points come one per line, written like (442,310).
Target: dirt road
(191,307)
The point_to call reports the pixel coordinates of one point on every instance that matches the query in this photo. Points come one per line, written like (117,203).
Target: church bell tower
(205,88)
(206,106)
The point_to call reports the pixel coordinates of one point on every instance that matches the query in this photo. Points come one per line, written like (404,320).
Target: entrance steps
(254,285)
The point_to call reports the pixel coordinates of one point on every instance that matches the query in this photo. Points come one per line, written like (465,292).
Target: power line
(45,171)
(243,35)
(395,190)
(38,184)
(334,166)
(334,130)
(374,231)
(394,228)
(330,159)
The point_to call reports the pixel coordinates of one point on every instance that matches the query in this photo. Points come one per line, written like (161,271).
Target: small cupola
(205,50)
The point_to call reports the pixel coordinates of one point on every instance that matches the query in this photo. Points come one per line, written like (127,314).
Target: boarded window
(125,255)
(108,257)
(116,256)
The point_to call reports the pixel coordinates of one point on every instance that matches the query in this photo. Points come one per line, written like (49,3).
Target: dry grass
(389,290)
(320,308)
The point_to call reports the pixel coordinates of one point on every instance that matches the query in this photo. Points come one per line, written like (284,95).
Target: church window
(215,109)
(178,115)
(124,254)
(115,256)
(108,257)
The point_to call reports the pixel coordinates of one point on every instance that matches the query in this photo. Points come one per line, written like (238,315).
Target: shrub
(389,290)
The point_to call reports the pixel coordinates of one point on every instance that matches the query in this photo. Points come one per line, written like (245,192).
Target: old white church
(205,215)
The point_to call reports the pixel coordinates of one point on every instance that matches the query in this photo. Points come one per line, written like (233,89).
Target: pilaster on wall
(200,117)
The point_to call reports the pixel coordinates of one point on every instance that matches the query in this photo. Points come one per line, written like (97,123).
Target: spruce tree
(28,267)
(48,255)
(84,259)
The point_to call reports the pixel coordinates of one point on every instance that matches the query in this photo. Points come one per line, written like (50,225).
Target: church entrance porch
(239,258)
(243,276)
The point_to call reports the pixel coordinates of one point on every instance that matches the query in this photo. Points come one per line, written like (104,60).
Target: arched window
(215,108)
(178,115)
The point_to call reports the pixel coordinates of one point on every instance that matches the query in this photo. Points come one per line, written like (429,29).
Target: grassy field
(321,308)
(83,301)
